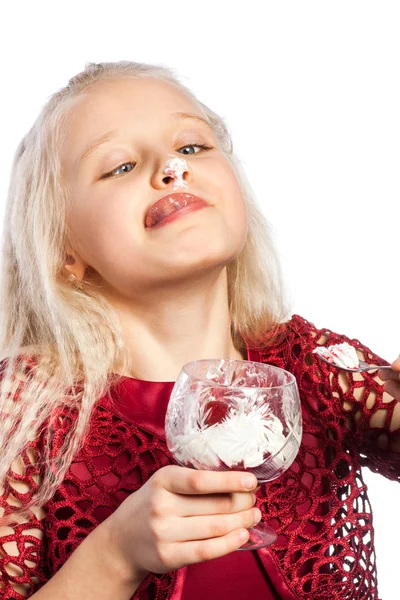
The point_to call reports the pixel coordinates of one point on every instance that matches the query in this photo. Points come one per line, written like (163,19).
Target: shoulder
(294,341)
(313,336)
(304,332)
(23,377)
(15,371)
(27,359)
(290,338)
(300,326)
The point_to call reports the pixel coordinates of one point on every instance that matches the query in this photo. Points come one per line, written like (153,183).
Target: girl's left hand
(391,377)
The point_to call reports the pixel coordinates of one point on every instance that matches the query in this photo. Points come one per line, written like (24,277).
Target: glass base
(261,535)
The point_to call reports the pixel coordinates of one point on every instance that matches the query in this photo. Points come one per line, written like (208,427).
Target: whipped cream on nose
(175,168)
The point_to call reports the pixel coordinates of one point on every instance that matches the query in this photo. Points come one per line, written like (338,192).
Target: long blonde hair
(75,335)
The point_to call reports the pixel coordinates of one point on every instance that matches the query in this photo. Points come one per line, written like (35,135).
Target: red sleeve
(369,414)
(22,564)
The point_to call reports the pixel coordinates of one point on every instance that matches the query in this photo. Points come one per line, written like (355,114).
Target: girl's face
(140,124)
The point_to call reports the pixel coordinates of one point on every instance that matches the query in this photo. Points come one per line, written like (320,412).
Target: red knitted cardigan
(319,507)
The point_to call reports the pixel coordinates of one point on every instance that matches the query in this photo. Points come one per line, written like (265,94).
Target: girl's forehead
(147,92)
(139,105)
(116,104)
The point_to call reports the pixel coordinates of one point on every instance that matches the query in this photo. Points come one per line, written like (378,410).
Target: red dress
(319,506)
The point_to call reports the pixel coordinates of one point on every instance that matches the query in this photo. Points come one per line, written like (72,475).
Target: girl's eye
(121,170)
(115,171)
(201,146)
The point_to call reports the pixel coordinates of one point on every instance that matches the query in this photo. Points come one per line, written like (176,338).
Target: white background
(310,92)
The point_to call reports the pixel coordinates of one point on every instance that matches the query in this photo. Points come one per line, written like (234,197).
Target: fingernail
(256,516)
(243,535)
(249,482)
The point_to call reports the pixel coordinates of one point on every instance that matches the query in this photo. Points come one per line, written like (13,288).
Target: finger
(181,480)
(396,363)
(200,551)
(393,388)
(207,527)
(215,504)
(386,374)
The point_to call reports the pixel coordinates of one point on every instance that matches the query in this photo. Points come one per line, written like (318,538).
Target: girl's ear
(74,264)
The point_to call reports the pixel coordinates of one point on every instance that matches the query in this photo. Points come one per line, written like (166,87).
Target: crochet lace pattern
(319,507)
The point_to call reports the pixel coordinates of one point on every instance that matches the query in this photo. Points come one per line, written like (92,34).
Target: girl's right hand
(182,516)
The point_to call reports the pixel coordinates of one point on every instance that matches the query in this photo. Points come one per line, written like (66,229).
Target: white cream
(175,168)
(342,355)
(243,437)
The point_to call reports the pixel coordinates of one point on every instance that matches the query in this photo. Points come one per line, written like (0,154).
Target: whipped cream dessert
(175,168)
(242,438)
(342,355)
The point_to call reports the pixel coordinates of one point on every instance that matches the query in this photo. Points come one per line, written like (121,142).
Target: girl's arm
(92,572)
(22,566)
(371,415)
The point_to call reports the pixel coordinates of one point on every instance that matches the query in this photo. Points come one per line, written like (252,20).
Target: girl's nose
(172,169)
(178,169)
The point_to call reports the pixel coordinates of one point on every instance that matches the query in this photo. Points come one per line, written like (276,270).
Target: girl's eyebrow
(110,135)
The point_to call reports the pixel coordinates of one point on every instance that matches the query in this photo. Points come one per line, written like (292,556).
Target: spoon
(363,365)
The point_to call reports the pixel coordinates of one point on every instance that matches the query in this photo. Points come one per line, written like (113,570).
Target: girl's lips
(176,214)
(168,205)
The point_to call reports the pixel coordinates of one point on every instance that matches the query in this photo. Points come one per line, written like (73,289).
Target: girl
(105,297)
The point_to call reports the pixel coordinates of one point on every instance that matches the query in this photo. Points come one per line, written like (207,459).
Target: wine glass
(226,414)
